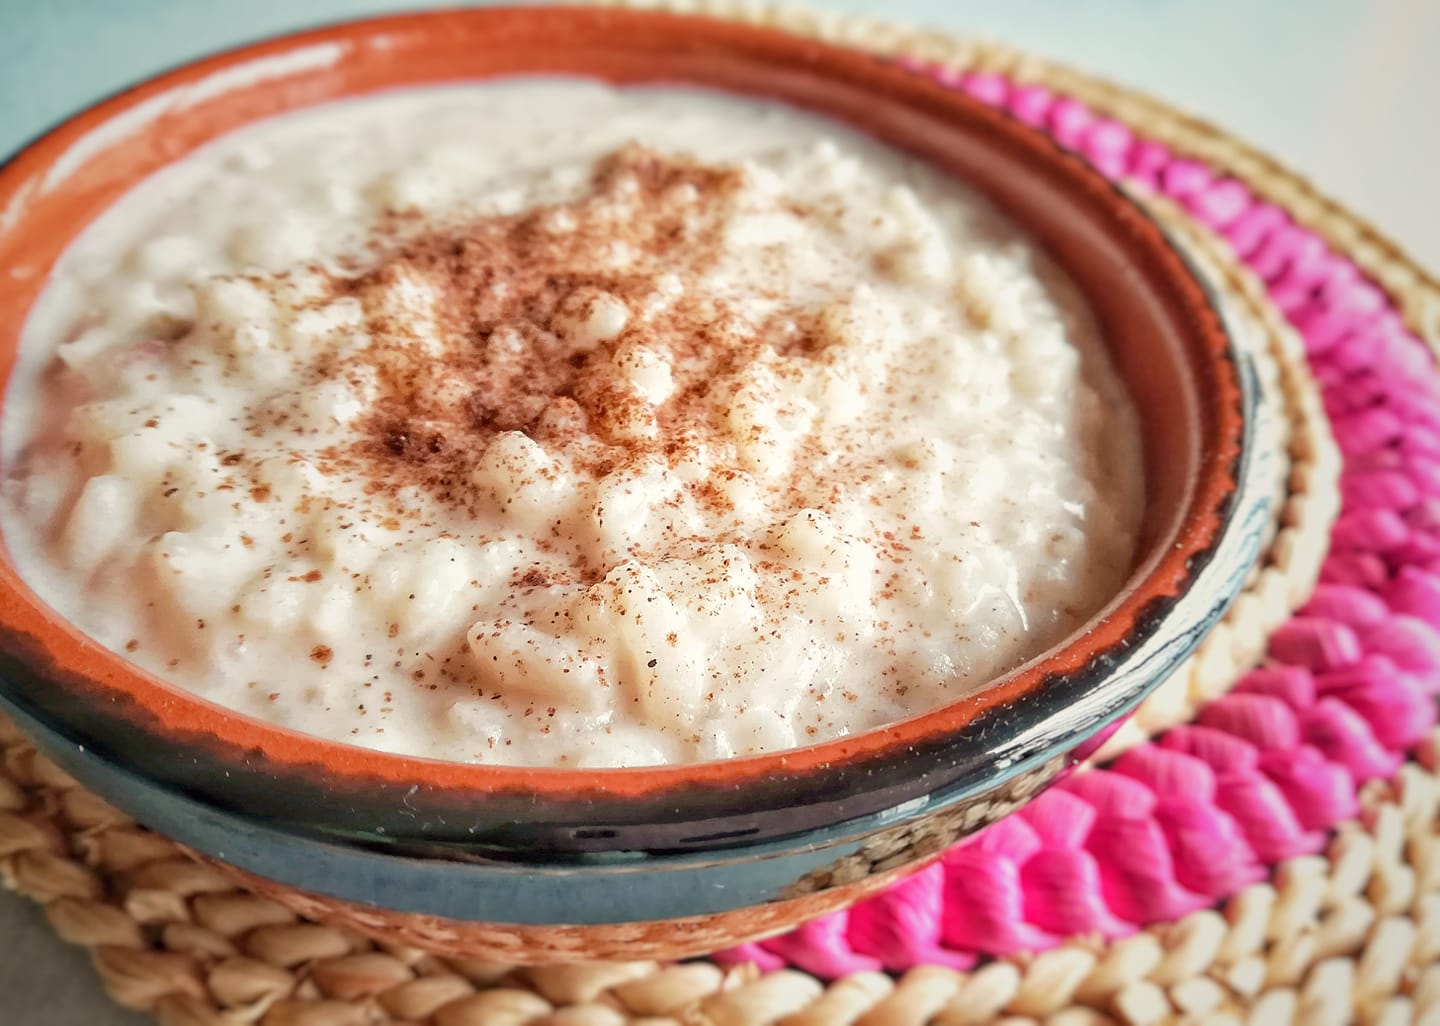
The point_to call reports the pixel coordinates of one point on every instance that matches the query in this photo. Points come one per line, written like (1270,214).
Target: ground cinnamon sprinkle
(513,323)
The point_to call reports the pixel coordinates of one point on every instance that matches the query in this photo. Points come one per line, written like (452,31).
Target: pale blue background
(1345,90)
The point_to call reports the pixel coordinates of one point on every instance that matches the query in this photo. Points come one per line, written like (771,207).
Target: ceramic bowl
(537,864)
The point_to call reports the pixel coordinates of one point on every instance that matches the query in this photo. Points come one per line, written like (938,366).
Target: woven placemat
(1272,858)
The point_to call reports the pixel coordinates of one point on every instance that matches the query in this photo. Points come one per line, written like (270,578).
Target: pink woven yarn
(1265,772)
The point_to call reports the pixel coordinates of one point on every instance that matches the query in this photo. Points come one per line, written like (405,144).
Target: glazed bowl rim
(181,712)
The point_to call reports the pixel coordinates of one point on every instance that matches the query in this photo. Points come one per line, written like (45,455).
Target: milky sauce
(543,423)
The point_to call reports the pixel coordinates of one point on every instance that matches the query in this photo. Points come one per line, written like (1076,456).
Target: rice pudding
(551,424)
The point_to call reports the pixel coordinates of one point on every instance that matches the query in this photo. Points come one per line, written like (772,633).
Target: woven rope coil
(1350,930)
(1355,931)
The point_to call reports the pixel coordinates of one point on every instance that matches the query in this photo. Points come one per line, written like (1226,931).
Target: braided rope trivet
(1330,936)
(1355,933)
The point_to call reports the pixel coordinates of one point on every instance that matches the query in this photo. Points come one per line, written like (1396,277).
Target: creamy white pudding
(544,423)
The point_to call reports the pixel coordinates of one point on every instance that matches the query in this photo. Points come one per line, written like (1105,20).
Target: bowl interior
(1164,337)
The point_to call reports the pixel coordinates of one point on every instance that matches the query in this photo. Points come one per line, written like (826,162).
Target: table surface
(1337,89)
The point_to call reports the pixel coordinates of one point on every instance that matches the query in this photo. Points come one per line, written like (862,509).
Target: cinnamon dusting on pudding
(533,323)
